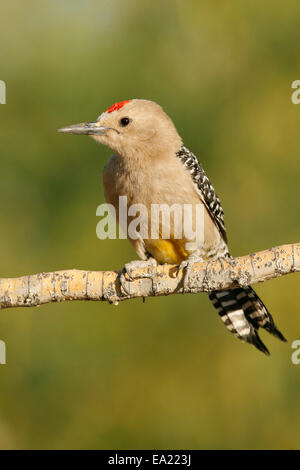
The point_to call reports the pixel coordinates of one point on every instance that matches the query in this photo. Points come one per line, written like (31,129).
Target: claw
(187,265)
(132,266)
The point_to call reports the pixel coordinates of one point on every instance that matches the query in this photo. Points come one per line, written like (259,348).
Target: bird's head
(131,128)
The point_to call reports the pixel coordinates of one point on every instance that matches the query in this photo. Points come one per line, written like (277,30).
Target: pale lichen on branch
(73,284)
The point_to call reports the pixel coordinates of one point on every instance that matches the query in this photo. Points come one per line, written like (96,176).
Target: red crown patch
(117,106)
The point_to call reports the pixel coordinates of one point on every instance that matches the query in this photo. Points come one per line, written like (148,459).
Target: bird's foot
(127,273)
(187,265)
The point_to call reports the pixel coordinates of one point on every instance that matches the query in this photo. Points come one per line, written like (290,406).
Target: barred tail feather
(243,313)
(258,314)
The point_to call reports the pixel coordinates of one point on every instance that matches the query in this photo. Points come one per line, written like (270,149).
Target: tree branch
(73,284)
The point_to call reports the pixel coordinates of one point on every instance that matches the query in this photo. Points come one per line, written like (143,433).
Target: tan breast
(158,182)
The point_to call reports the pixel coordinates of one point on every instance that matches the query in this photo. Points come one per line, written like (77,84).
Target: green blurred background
(164,374)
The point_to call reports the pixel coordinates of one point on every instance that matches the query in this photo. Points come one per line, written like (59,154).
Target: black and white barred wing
(206,189)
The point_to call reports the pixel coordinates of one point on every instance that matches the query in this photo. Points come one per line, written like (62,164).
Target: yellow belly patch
(167,251)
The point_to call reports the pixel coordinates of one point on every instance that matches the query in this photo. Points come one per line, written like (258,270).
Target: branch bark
(73,284)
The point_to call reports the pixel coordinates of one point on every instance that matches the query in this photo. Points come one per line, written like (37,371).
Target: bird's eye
(124,121)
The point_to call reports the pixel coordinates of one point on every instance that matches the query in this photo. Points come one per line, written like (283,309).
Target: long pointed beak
(84,128)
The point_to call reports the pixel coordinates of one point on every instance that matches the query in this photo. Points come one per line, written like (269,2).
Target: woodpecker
(150,165)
